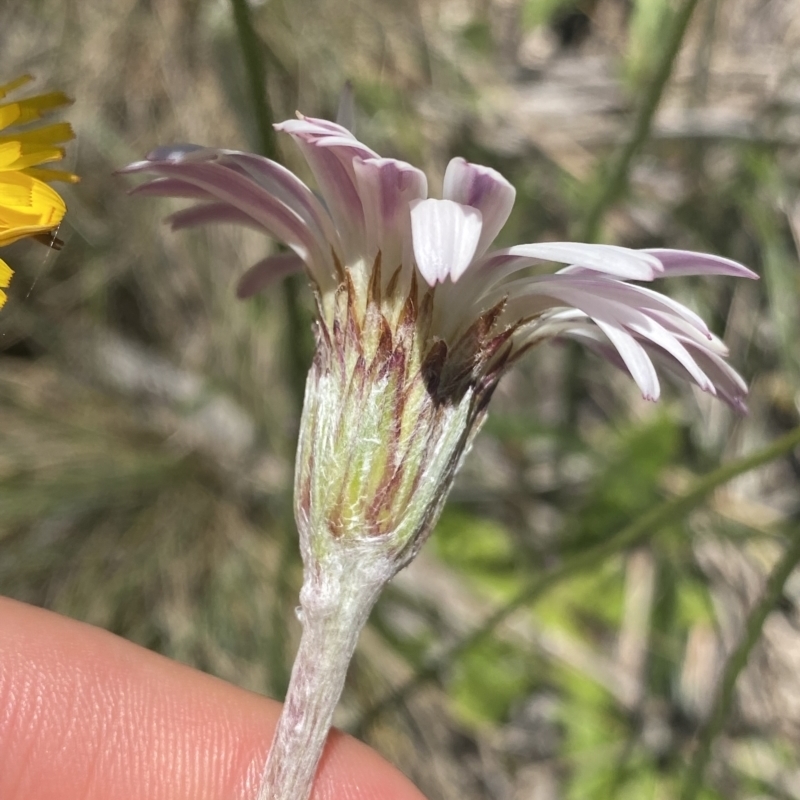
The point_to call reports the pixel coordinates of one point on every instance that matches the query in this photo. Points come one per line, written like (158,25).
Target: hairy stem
(335,601)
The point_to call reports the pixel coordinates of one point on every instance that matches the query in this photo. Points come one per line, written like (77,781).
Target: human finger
(86,714)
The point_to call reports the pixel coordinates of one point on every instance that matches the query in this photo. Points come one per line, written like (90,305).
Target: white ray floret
(372,205)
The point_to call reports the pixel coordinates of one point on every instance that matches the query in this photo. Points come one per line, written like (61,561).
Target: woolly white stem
(335,601)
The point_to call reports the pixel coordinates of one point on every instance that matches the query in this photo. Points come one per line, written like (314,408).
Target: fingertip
(86,714)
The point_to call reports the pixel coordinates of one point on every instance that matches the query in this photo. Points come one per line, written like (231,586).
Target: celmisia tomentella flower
(418,319)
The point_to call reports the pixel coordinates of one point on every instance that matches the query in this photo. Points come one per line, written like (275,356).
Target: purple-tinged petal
(210,213)
(663,309)
(621,322)
(235,189)
(289,189)
(647,328)
(172,154)
(312,126)
(558,322)
(387,187)
(270,176)
(728,384)
(335,176)
(598,339)
(639,297)
(266,272)
(175,152)
(635,358)
(656,304)
(731,387)
(242,193)
(170,187)
(378,204)
(607,259)
(348,145)
(686,262)
(592,339)
(684,330)
(445,236)
(604,303)
(482,188)
(588,335)
(324,134)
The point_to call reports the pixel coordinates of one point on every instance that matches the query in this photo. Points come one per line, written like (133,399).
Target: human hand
(86,715)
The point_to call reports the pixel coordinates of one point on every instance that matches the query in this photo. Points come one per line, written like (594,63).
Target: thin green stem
(298,341)
(640,529)
(253,54)
(736,663)
(616,177)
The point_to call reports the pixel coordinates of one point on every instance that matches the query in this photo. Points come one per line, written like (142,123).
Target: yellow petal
(27,206)
(5,274)
(7,88)
(55,133)
(9,114)
(31,108)
(5,279)
(9,153)
(51,175)
(25,233)
(15,156)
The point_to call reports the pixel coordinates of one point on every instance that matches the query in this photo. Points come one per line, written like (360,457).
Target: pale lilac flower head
(418,319)
(440,249)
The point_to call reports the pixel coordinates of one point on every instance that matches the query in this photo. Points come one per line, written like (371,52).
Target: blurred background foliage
(603,612)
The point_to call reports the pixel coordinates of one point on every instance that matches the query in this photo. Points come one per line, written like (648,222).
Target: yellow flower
(28,206)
